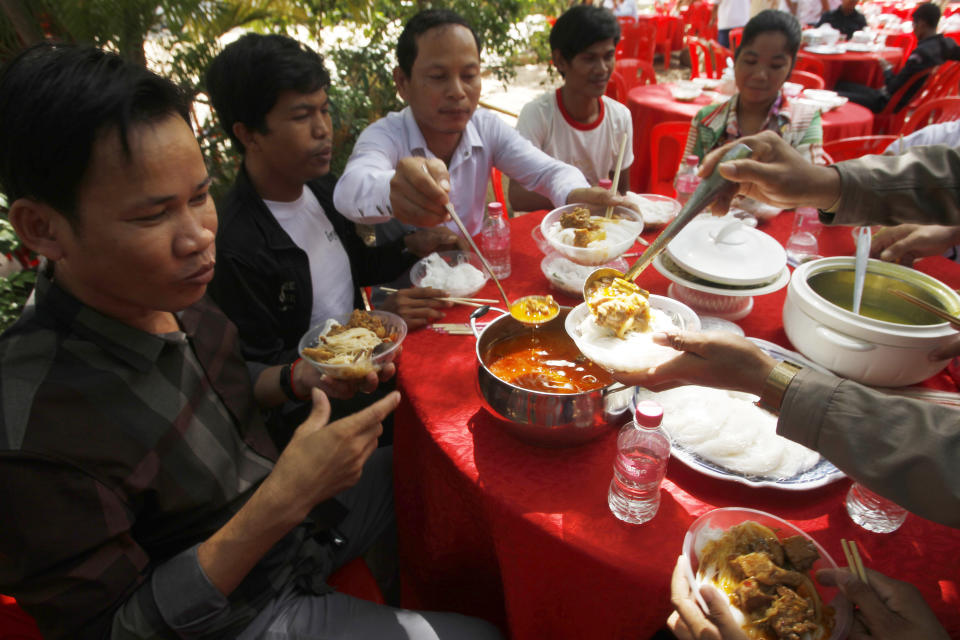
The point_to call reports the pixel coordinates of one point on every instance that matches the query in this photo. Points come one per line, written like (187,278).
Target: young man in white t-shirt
(577,123)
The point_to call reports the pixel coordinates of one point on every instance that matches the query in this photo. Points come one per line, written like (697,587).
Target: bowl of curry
(544,390)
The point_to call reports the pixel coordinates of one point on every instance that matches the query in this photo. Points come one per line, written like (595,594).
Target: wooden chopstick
(616,174)
(479,302)
(852,552)
(923,304)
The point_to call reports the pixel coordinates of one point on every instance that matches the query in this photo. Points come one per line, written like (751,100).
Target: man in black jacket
(932,50)
(286,259)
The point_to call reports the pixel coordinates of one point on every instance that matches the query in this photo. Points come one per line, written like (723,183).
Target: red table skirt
(652,104)
(855,66)
(522,535)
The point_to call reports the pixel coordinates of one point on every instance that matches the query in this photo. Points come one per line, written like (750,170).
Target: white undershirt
(311,230)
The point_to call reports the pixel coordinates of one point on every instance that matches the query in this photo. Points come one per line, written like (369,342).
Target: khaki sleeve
(919,186)
(906,450)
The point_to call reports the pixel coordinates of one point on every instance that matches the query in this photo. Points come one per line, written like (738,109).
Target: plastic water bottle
(687,179)
(643,450)
(495,240)
(802,242)
(873,512)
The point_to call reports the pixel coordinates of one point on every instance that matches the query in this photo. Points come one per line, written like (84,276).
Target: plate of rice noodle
(614,327)
(725,435)
(766,566)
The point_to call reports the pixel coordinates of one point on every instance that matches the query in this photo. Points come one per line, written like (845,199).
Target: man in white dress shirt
(408,165)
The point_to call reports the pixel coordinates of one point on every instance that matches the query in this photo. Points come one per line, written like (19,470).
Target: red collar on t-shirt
(575,124)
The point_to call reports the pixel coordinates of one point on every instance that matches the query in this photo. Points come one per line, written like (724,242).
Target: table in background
(654,103)
(522,535)
(862,67)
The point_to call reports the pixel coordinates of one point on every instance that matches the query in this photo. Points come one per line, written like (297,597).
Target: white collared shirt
(363,191)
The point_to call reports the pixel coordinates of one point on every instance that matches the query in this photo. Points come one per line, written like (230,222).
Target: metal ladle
(553,309)
(706,193)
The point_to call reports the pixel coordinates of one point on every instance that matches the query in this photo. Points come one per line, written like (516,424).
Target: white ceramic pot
(865,349)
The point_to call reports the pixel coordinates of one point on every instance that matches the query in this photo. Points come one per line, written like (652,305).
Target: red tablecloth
(652,104)
(522,535)
(862,67)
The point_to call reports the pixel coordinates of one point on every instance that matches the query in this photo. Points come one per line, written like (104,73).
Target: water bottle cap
(692,160)
(495,207)
(648,414)
(605,183)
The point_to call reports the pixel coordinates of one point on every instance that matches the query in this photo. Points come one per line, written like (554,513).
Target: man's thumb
(321,406)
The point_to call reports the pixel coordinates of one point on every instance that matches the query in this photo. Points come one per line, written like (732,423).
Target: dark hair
(929,13)
(772,20)
(56,102)
(246,78)
(420,24)
(581,26)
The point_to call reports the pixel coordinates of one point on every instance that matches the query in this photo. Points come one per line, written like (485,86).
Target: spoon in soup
(706,193)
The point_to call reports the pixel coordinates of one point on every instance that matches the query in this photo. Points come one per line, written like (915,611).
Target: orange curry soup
(546,361)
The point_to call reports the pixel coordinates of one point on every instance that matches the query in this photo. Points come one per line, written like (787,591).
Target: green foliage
(187,34)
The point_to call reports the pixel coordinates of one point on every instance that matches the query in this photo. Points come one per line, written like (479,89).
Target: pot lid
(726,251)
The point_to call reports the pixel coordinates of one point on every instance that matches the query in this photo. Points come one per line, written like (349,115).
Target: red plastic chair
(645,36)
(696,21)
(713,55)
(665,27)
(667,142)
(617,88)
(496,181)
(699,54)
(736,35)
(891,118)
(627,46)
(942,84)
(850,148)
(807,79)
(636,73)
(811,65)
(353,578)
(720,56)
(932,112)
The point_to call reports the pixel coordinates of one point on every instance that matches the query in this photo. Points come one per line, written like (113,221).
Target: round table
(862,67)
(652,104)
(522,535)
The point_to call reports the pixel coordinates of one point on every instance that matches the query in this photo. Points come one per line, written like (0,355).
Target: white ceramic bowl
(617,355)
(604,251)
(861,348)
(396,328)
(419,270)
(568,277)
(712,524)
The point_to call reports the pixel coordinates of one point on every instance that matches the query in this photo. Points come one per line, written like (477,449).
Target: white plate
(727,252)
(670,271)
(641,355)
(821,474)
(825,49)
